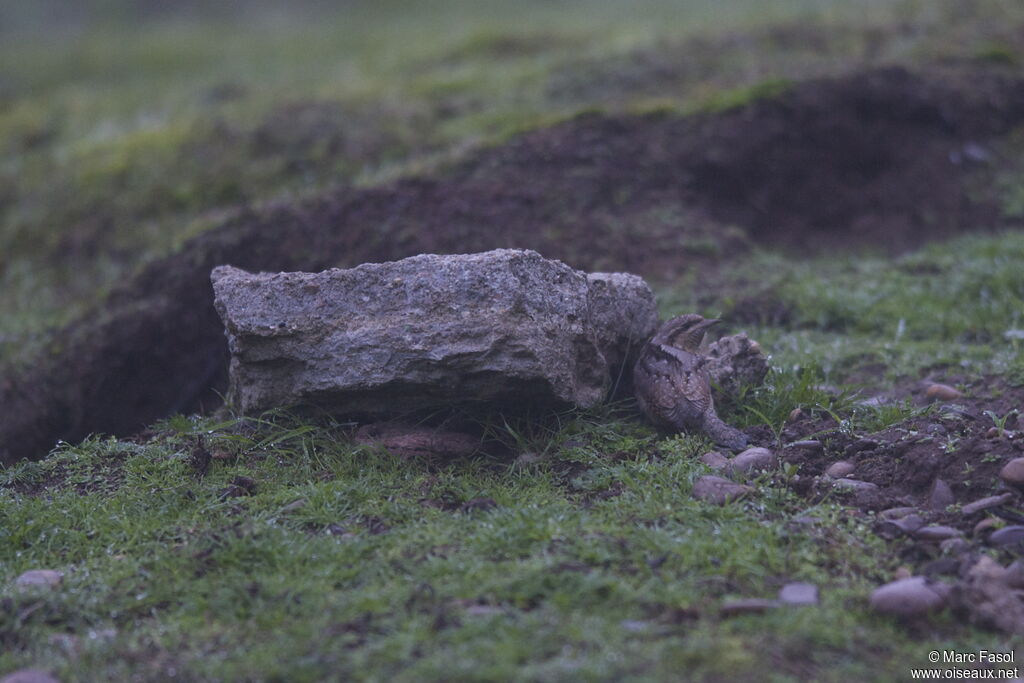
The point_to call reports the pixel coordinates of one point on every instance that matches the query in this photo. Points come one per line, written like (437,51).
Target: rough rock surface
(430,331)
(735,362)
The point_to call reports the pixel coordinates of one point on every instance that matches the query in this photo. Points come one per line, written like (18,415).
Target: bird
(672,385)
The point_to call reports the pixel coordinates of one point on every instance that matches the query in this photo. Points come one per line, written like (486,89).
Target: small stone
(808,445)
(993,433)
(897,513)
(936,533)
(1013,473)
(753,460)
(1015,575)
(795,415)
(864,444)
(715,460)
(29,676)
(986,503)
(1008,536)
(910,597)
(39,578)
(986,525)
(294,505)
(941,496)
(904,525)
(942,392)
(840,469)
(718,490)
(854,485)
(799,593)
(735,608)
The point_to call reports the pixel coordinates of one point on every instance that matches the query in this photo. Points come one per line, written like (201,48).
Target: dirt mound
(836,160)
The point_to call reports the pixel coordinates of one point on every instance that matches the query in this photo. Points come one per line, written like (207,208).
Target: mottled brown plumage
(672,384)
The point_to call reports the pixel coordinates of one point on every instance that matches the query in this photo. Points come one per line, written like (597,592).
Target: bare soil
(884,158)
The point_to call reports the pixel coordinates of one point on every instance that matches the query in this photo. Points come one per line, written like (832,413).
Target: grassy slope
(381,573)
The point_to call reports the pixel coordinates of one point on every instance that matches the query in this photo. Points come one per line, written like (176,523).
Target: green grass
(371,579)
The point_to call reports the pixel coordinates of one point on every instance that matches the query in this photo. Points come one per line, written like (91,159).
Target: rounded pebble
(39,578)
(715,460)
(986,503)
(942,392)
(753,460)
(808,445)
(799,593)
(840,469)
(1008,535)
(1013,472)
(896,513)
(910,597)
(718,490)
(941,496)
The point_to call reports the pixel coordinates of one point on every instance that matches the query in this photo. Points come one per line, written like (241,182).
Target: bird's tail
(722,434)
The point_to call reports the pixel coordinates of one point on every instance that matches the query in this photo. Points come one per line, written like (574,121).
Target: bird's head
(684,332)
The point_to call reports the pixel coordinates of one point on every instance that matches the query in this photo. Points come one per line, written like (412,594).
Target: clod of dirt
(863,159)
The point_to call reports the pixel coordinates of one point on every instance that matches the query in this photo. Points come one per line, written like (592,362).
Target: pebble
(1008,535)
(942,392)
(734,608)
(987,524)
(993,433)
(795,414)
(808,445)
(718,490)
(715,460)
(854,485)
(799,593)
(941,496)
(29,676)
(897,513)
(1015,575)
(1013,472)
(909,597)
(840,469)
(986,503)
(753,460)
(937,533)
(39,578)
(907,525)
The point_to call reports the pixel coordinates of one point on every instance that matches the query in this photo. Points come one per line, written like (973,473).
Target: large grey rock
(430,331)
